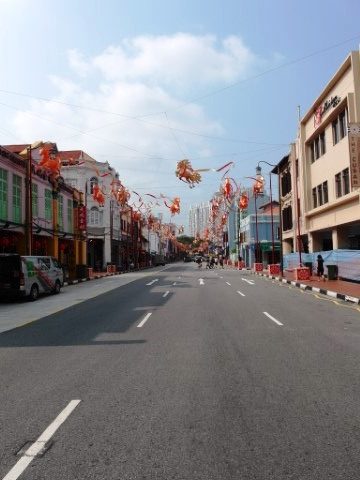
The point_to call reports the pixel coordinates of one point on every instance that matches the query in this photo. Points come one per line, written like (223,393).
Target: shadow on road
(98,321)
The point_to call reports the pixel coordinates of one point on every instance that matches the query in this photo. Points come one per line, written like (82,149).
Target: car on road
(29,276)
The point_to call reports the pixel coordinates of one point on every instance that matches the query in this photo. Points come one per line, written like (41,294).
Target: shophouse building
(43,219)
(330,187)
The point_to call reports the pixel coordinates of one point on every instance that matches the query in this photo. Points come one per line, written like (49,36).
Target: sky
(144,84)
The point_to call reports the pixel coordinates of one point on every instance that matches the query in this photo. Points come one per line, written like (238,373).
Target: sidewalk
(348,291)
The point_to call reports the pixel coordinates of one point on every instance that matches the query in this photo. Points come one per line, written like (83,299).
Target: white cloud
(141,76)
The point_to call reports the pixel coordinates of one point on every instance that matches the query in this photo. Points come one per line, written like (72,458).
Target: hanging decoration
(98,195)
(49,163)
(174,207)
(186,173)
(243,201)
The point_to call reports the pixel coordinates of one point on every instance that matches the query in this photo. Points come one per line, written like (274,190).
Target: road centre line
(166,293)
(153,281)
(144,320)
(40,443)
(273,319)
(240,293)
(228,283)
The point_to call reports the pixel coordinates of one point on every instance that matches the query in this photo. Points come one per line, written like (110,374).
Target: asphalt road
(232,376)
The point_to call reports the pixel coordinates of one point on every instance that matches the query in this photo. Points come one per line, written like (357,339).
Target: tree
(185,239)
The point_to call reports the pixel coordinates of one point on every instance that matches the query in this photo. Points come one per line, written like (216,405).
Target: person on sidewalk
(320,267)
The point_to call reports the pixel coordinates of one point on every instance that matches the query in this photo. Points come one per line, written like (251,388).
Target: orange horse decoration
(186,173)
(98,195)
(122,195)
(174,207)
(49,162)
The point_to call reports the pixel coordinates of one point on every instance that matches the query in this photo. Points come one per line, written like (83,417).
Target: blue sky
(144,58)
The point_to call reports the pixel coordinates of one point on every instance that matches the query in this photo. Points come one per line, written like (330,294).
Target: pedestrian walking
(320,267)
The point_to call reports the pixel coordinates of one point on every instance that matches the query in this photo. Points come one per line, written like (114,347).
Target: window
(339,128)
(297,168)
(314,197)
(325,192)
(35,198)
(286,183)
(3,194)
(70,215)
(342,124)
(16,198)
(345,178)
(317,147)
(48,205)
(342,183)
(95,217)
(322,143)
(61,211)
(93,182)
(338,190)
(319,195)
(287,218)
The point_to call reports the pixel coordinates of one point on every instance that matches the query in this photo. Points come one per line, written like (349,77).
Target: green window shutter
(48,205)
(70,215)
(35,199)
(3,194)
(61,212)
(16,198)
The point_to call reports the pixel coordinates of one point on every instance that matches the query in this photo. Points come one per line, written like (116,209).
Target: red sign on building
(82,218)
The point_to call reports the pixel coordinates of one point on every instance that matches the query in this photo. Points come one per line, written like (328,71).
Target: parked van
(29,276)
(159,260)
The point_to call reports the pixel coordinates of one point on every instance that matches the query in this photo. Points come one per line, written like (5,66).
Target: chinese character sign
(82,218)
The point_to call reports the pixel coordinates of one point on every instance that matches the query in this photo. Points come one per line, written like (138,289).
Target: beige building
(320,178)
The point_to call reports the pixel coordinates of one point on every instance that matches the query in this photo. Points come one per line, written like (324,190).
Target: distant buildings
(199,218)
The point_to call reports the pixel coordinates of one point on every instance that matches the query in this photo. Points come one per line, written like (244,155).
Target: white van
(29,275)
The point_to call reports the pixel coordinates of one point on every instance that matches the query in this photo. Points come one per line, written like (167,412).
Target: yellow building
(329,193)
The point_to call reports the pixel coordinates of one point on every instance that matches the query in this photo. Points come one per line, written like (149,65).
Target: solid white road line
(273,319)
(240,293)
(39,444)
(201,281)
(228,283)
(166,293)
(153,281)
(145,319)
(250,282)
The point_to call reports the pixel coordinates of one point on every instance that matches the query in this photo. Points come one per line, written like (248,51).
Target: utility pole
(111,230)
